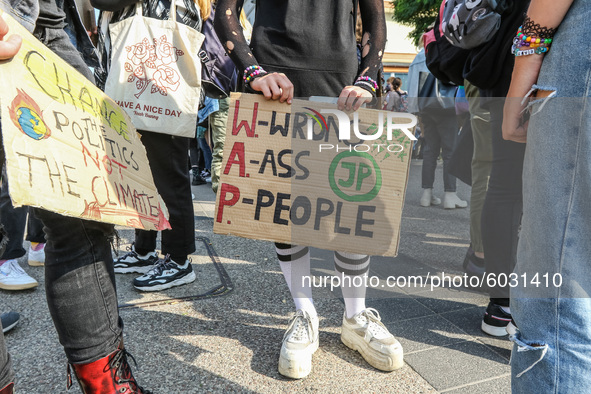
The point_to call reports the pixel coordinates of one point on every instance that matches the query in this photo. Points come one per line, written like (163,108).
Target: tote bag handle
(139,10)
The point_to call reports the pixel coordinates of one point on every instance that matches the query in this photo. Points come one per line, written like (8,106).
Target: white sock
(295,265)
(349,266)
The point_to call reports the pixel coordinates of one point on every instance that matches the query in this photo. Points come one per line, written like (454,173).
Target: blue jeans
(552,350)
(206,150)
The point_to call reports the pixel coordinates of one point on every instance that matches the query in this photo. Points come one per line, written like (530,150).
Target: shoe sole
(493,330)
(296,370)
(179,282)
(376,360)
(133,270)
(18,287)
(36,263)
(453,206)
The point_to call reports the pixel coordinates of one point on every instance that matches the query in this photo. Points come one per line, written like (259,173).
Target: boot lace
(123,373)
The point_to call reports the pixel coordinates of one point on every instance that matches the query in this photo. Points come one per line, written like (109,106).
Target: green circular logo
(360,167)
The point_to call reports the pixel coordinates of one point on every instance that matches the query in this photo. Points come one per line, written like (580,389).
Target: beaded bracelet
(526,52)
(523,40)
(367,81)
(252,72)
(367,85)
(537,42)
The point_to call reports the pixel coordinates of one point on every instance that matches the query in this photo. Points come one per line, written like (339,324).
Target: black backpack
(218,73)
(445,61)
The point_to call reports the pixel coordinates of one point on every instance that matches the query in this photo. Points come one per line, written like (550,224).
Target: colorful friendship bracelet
(252,72)
(367,81)
(532,39)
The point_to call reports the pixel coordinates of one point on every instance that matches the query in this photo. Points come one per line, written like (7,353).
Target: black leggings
(501,214)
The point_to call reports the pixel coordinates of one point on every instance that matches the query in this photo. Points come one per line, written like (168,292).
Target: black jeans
(80,286)
(169,161)
(501,214)
(440,129)
(14,221)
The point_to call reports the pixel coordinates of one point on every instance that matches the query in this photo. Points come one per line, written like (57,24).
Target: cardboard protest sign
(69,148)
(307,174)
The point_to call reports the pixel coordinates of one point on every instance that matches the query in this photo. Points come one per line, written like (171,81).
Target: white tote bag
(155,72)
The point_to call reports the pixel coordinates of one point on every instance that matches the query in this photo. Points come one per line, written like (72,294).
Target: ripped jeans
(552,349)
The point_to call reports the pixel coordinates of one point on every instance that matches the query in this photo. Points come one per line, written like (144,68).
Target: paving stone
(425,333)
(500,385)
(469,320)
(458,364)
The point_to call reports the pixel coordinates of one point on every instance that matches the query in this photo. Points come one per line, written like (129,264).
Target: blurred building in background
(400,50)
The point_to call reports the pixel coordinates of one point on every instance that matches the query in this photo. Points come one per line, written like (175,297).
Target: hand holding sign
(8,48)
(69,148)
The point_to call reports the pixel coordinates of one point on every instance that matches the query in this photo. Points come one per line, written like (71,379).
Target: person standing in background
(169,162)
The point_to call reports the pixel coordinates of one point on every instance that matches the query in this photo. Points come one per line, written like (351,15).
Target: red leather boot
(109,375)
(9,389)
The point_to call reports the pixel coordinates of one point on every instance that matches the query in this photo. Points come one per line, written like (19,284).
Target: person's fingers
(10,47)
(513,128)
(265,90)
(286,89)
(362,99)
(3,28)
(275,89)
(351,100)
(342,101)
(262,85)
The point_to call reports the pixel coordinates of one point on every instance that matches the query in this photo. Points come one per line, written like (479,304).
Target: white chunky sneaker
(299,344)
(366,333)
(13,277)
(452,201)
(428,199)
(37,257)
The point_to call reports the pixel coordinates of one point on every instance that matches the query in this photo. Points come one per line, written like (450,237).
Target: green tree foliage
(416,13)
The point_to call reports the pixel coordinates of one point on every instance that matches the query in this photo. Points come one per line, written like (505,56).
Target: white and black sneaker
(133,262)
(164,275)
(495,320)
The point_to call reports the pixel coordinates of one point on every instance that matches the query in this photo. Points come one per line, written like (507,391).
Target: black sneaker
(197,179)
(9,320)
(164,275)
(495,320)
(133,262)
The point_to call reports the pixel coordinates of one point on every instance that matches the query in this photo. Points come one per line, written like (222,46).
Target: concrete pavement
(188,342)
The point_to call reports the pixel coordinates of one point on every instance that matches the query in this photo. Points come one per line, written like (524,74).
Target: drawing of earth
(31,123)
